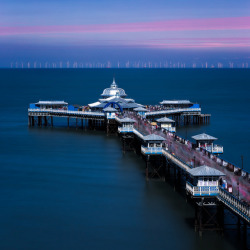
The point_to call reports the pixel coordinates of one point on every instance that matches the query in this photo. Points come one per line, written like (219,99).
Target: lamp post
(242,162)
(186,132)
(238,189)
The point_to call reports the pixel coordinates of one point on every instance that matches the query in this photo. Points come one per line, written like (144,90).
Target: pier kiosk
(126,132)
(175,104)
(207,142)
(126,125)
(50,105)
(140,111)
(203,187)
(110,114)
(203,181)
(167,124)
(151,148)
(152,144)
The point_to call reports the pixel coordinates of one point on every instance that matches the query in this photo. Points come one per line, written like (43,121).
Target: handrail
(234,203)
(138,133)
(151,149)
(125,129)
(66,112)
(177,160)
(214,149)
(173,111)
(224,162)
(202,190)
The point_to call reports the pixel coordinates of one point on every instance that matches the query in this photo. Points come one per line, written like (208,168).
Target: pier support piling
(147,165)
(45,121)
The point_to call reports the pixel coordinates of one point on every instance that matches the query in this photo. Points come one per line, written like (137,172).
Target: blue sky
(127,30)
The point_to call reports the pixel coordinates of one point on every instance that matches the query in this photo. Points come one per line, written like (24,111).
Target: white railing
(235,204)
(125,129)
(118,119)
(59,111)
(162,112)
(202,190)
(151,150)
(176,160)
(217,149)
(171,129)
(138,133)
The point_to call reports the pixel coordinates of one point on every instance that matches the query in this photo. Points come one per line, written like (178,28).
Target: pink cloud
(194,43)
(201,45)
(230,23)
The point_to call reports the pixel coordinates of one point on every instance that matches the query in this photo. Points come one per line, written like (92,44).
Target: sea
(71,189)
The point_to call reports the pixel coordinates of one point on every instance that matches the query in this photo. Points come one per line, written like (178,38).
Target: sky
(132,30)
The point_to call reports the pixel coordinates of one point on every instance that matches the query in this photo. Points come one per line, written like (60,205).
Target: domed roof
(113,91)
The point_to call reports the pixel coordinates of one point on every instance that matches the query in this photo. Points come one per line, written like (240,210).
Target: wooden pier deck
(181,115)
(189,155)
(178,151)
(184,157)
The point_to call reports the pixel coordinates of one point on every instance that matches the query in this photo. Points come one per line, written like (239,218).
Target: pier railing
(174,111)
(176,160)
(125,129)
(151,150)
(216,149)
(230,166)
(171,129)
(65,112)
(136,132)
(239,207)
(202,190)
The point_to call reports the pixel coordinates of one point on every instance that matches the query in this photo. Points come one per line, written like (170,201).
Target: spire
(113,85)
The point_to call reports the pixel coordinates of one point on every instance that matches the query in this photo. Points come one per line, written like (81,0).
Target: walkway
(187,154)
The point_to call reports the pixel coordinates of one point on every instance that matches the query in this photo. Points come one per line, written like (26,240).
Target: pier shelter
(127,125)
(207,142)
(167,124)
(50,105)
(110,112)
(140,111)
(152,144)
(203,181)
(173,104)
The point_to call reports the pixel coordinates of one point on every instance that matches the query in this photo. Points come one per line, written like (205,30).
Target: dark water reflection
(67,189)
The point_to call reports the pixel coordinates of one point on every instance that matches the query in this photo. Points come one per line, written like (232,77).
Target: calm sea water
(70,189)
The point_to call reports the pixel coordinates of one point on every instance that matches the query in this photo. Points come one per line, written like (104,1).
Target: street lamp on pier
(242,162)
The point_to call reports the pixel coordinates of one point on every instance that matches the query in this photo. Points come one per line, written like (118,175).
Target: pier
(150,132)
